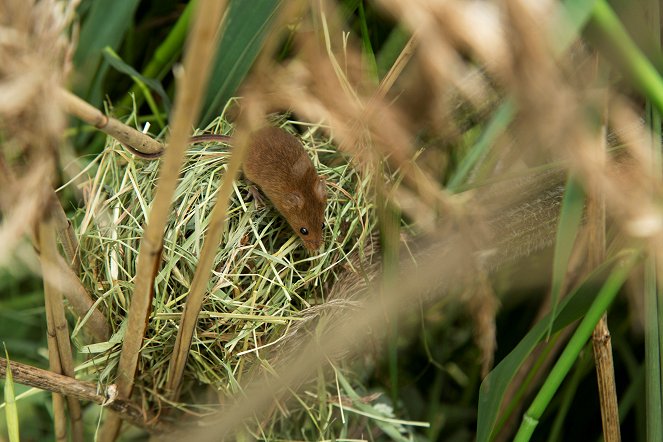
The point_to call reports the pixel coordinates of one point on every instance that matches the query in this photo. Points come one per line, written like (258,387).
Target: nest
(264,284)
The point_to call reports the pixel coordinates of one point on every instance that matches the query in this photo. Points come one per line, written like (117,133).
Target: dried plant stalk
(198,57)
(49,255)
(601,343)
(46,238)
(85,391)
(200,279)
(111,126)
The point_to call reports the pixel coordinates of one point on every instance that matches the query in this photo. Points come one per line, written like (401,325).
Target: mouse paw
(257,197)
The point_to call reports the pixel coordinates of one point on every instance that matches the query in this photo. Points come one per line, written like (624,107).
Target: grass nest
(264,284)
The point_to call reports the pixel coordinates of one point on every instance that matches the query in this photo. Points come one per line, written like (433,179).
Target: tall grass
(493,195)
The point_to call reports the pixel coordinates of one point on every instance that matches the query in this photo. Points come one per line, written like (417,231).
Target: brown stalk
(80,390)
(200,281)
(54,363)
(124,134)
(80,300)
(66,234)
(605,372)
(68,283)
(443,266)
(199,53)
(57,322)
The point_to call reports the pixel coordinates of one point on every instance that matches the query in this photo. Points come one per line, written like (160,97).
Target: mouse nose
(313,245)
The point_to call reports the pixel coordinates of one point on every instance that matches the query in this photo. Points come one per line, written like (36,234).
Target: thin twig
(81,390)
(49,255)
(111,126)
(601,343)
(51,298)
(201,277)
(200,52)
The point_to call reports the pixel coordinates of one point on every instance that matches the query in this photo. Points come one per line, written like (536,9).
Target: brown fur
(277,163)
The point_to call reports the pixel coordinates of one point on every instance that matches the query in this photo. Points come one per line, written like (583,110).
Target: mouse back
(277,162)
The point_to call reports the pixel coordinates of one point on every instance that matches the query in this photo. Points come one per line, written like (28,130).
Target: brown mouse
(278,164)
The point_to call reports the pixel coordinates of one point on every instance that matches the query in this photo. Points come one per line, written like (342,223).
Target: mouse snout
(312,244)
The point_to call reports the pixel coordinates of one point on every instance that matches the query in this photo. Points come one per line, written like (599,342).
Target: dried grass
(263,282)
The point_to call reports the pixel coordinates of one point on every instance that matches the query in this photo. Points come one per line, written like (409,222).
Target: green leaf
(574,306)
(570,219)
(11,411)
(246,26)
(115,61)
(106,24)
(575,345)
(495,127)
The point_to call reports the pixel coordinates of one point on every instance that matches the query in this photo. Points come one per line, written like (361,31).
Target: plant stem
(603,300)
(637,65)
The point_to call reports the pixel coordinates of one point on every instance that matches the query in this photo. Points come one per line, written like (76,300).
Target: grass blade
(638,67)
(105,25)
(245,28)
(495,384)
(567,230)
(11,411)
(115,61)
(577,342)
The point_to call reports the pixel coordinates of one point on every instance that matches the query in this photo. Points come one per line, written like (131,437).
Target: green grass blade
(391,49)
(577,342)
(115,61)
(367,47)
(245,29)
(11,411)
(653,397)
(495,127)
(106,24)
(639,68)
(653,303)
(570,219)
(576,14)
(142,82)
(495,384)
(164,56)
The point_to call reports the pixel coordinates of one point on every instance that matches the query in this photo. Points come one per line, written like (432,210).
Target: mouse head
(305,211)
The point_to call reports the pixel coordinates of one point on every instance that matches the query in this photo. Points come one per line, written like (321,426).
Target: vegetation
(493,230)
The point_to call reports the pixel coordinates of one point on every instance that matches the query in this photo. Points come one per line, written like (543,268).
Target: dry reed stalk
(54,363)
(123,133)
(56,317)
(200,281)
(601,343)
(443,266)
(81,390)
(199,53)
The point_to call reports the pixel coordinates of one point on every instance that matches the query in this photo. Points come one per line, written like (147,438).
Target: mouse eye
(303,231)
(323,225)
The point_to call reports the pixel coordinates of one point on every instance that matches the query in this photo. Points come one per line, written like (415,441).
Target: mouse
(277,163)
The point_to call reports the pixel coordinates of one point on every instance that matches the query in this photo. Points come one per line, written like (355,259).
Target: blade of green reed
(639,68)
(367,47)
(570,219)
(246,26)
(570,309)
(105,25)
(164,56)
(391,49)
(575,16)
(142,82)
(653,301)
(495,127)
(577,342)
(653,398)
(11,411)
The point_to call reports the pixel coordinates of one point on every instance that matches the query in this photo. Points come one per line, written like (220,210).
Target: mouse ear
(321,188)
(293,201)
